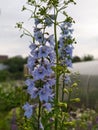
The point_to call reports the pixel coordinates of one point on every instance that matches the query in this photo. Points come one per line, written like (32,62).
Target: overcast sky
(85,13)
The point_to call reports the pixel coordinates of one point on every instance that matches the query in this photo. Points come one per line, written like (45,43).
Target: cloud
(85,29)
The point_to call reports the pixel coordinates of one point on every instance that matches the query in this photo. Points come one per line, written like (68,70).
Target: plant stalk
(39,115)
(57,74)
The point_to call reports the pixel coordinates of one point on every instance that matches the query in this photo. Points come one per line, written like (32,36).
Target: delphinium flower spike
(40,63)
(66,47)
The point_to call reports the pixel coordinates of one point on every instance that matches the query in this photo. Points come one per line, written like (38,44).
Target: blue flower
(44,51)
(34,53)
(52,57)
(39,73)
(33,91)
(50,81)
(69,50)
(51,40)
(66,25)
(48,106)
(30,82)
(38,35)
(48,68)
(68,62)
(33,46)
(28,110)
(61,41)
(66,29)
(45,94)
(69,24)
(71,31)
(31,63)
(37,21)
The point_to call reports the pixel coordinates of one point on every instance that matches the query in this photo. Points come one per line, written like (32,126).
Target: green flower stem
(57,72)
(68,102)
(26,32)
(63,88)
(39,115)
(39,110)
(57,61)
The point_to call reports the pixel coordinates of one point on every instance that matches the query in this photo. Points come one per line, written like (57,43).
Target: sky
(85,14)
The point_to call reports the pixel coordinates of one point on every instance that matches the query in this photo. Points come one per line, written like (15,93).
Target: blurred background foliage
(14,70)
(84,58)
(13,96)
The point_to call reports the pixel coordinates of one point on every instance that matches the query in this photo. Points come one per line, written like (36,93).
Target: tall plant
(50,57)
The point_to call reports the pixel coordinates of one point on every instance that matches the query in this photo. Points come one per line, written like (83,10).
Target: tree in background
(15,67)
(88,58)
(84,58)
(76,59)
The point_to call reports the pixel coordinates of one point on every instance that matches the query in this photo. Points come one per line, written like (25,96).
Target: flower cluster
(48,61)
(40,62)
(65,44)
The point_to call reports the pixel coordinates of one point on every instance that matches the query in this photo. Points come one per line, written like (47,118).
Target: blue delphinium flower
(66,29)
(50,40)
(33,46)
(69,50)
(62,41)
(34,53)
(39,73)
(48,68)
(50,81)
(37,21)
(38,35)
(28,110)
(68,62)
(30,82)
(45,94)
(33,91)
(31,62)
(44,51)
(65,54)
